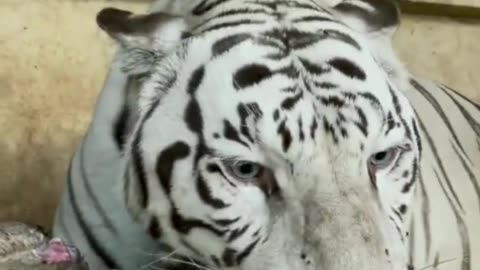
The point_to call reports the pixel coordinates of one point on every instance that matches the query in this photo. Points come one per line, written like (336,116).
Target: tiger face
(277,143)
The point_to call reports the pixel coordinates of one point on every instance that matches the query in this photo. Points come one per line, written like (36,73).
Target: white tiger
(270,134)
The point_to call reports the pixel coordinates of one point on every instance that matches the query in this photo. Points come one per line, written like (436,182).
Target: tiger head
(270,134)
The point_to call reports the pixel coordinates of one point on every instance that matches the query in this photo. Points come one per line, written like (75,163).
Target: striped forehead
(285,93)
(292,32)
(297,55)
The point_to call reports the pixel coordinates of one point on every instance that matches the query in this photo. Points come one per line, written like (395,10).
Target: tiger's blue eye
(383,159)
(244,170)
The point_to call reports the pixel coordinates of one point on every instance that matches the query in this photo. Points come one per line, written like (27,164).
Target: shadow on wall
(32,182)
(54,62)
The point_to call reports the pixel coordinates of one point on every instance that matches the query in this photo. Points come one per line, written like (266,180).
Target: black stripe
(315,8)
(205,6)
(286,135)
(406,188)
(299,40)
(228,257)
(398,110)
(348,68)
(313,128)
(425,216)
(231,24)
(397,214)
(340,36)
(333,101)
(154,228)
(462,228)
(225,44)
(235,234)
(166,82)
(363,124)
(97,248)
(301,135)
(390,122)
(120,127)
(312,18)
(402,238)
(226,222)
(137,160)
(417,137)
(214,168)
(438,108)
(195,80)
(276,38)
(139,170)
(166,160)
(289,71)
(184,225)
(206,195)
(325,85)
(471,175)
(276,115)
(242,255)
(89,190)
(150,111)
(371,98)
(229,13)
(244,111)
(296,39)
(439,161)
(330,129)
(231,133)
(289,102)
(312,68)
(250,75)
(272,5)
(349,95)
(470,119)
(193,117)
(471,102)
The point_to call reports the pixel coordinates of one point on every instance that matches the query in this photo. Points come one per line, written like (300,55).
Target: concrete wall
(54,61)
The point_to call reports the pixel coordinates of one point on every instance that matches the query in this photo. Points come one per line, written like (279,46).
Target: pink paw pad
(58,252)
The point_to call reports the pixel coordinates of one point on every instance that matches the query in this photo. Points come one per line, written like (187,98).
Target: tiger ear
(370,16)
(154,31)
(143,38)
(378,21)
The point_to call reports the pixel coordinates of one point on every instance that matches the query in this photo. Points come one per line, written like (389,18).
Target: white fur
(327,208)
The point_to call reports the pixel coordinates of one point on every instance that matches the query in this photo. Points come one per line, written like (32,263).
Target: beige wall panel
(442,49)
(54,61)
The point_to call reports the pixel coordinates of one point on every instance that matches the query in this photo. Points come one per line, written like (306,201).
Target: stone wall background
(54,61)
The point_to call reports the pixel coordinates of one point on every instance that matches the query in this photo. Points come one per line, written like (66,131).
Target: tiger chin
(266,135)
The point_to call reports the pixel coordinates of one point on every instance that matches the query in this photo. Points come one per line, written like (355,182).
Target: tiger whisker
(187,263)
(193,261)
(149,265)
(441,262)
